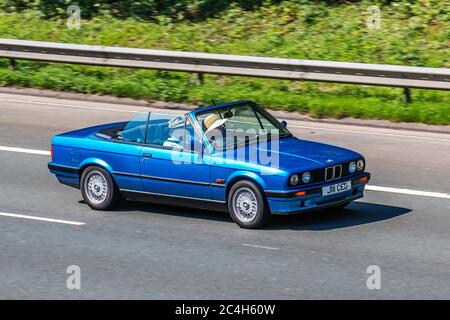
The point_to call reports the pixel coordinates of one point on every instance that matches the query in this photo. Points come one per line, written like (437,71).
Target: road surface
(145,251)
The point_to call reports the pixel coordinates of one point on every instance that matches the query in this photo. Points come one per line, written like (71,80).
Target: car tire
(98,189)
(247,205)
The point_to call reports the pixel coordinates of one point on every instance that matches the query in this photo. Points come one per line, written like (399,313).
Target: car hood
(293,154)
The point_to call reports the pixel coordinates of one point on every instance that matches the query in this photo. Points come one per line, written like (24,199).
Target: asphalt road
(144,251)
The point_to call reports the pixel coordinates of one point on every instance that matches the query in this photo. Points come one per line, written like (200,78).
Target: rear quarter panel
(82,148)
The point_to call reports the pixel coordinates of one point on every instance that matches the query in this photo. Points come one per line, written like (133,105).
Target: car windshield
(239,124)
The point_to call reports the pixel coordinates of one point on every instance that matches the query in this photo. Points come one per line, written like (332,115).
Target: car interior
(160,132)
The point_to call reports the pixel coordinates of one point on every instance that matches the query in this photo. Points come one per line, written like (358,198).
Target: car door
(118,148)
(168,163)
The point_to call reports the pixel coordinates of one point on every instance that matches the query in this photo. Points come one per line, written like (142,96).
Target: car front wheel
(247,205)
(98,189)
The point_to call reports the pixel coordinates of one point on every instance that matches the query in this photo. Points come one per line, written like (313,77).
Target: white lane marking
(260,247)
(70,105)
(22,216)
(372,133)
(293,126)
(409,191)
(368,187)
(23,150)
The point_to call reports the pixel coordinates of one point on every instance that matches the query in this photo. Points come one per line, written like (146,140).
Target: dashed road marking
(23,150)
(372,133)
(409,192)
(62,105)
(368,187)
(260,247)
(22,216)
(73,106)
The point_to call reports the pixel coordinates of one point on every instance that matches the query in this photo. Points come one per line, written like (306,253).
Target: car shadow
(179,211)
(357,213)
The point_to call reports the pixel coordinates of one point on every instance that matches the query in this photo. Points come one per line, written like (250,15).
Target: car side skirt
(165,199)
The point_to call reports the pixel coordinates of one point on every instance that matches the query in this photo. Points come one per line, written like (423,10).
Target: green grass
(415,35)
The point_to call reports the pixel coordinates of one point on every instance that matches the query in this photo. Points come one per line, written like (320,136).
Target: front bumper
(286,202)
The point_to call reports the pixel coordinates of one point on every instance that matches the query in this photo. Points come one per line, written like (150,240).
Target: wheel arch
(248,176)
(95,162)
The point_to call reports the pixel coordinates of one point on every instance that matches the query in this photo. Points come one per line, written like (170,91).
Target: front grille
(331,173)
(337,171)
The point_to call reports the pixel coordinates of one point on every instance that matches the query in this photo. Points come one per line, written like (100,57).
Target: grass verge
(311,31)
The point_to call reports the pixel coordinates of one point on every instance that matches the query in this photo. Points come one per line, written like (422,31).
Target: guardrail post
(200,78)
(12,63)
(406,95)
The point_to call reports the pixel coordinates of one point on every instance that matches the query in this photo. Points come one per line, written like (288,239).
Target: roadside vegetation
(415,33)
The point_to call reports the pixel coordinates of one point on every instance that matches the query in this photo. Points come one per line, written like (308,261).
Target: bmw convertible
(233,157)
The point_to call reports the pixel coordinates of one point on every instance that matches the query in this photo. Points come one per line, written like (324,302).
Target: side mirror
(284,123)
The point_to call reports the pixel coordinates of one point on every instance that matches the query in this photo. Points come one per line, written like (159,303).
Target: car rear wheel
(247,205)
(98,189)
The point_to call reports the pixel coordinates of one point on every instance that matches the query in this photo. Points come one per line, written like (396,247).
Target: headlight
(293,180)
(352,167)
(306,177)
(360,165)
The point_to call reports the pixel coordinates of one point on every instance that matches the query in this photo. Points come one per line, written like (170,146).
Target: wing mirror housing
(283,123)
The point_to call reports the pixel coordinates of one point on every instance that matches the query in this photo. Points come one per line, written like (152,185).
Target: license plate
(336,188)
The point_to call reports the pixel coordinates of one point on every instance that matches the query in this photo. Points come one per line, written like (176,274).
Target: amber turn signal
(300,193)
(363,179)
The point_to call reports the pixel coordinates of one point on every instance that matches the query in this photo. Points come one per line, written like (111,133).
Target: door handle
(147,155)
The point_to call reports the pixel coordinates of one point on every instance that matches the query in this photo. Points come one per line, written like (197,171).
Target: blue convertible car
(234,157)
